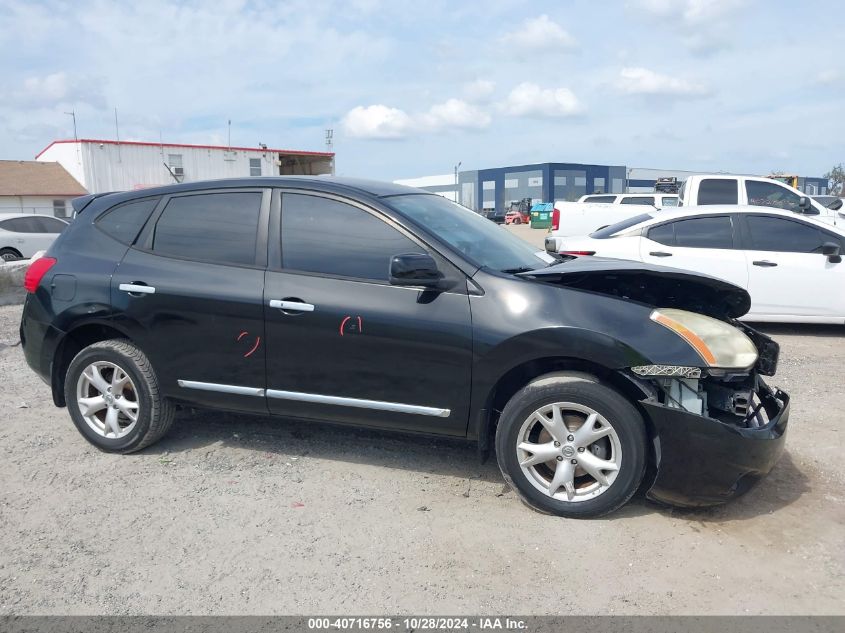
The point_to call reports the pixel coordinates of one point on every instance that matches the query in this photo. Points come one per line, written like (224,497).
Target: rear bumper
(702,461)
(38,340)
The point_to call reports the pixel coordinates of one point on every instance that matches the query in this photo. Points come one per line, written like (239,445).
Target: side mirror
(835,205)
(414,269)
(804,204)
(831,251)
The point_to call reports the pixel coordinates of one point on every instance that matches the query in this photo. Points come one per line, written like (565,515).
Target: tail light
(36,271)
(555,220)
(578,253)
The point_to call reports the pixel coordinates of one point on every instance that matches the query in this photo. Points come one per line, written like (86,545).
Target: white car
(24,234)
(594,211)
(790,264)
(656,199)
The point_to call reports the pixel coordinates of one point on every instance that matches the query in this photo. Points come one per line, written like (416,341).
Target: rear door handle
(764,263)
(292,305)
(137,289)
(660,254)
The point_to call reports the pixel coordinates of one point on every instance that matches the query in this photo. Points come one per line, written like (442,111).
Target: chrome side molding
(316,398)
(213,386)
(358,403)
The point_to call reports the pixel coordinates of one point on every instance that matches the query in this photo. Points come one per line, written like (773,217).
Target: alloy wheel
(569,451)
(107,399)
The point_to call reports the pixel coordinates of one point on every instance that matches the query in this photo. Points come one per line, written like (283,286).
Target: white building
(443,185)
(107,165)
(28,186)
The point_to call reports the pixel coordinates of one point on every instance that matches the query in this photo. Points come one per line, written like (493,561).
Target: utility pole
(330,144)
(117,136)
(457,193)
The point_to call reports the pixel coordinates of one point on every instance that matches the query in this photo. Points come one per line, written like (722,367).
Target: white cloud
(376,121)
(642,81)
(828,77)
(692,12)
(479,91)
(529,99)
(384,122)
(539,34)
(456,113)
(56,88)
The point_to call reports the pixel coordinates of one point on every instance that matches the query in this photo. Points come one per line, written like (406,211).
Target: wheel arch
(74,341)
(525,372)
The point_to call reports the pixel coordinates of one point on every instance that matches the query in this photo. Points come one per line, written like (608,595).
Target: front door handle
(764,263)
(137,288)
(292,305)
(660,254)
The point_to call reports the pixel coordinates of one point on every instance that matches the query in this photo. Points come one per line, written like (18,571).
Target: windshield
(482,241)
(611,229)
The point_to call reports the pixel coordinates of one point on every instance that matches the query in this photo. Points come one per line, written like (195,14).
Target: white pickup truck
(596,210)
(577,218)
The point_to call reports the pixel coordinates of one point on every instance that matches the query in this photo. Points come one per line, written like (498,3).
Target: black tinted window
(325,236)
(770,194)
(22,225)
(219,227)
(710,232)
(649,200)
(776,234)
(600,199)
(50,225)
(718,191)
(663,234)
(124,222)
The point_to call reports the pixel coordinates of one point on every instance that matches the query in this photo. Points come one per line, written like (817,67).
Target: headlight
(718,343)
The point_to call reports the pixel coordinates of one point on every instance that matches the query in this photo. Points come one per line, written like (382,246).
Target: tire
(9,254)
(103,400)
(517,221)
(620,443)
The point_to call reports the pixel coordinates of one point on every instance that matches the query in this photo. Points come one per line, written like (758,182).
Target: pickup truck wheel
(113,397)
(571,446)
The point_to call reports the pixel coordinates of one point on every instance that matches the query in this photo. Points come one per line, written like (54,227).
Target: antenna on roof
(72,114)
(230,135)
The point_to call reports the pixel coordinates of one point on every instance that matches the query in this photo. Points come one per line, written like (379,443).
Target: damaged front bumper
(703,461)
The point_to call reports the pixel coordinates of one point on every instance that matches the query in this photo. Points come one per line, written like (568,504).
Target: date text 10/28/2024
(417,624)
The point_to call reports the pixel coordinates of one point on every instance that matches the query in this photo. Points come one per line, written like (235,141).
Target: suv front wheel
(113,397)
(571,446)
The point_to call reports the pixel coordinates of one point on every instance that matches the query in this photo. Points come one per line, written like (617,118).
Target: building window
(618,185)
(59,209)
(254,166)
(598,185)
(536,181)
(511,183)
(560,181)
(488,185)
(174,162)
(580,181)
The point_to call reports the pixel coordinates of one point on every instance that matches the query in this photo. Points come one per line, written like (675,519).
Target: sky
(414,88)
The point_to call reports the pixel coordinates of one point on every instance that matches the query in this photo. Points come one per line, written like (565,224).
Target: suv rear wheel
(113,397)
(571,446)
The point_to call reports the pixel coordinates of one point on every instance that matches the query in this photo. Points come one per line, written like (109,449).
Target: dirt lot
(237,514)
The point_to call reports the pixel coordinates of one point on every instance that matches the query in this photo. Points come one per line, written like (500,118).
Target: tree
(836,180)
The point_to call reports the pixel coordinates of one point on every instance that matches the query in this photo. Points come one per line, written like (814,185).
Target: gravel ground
(248,515)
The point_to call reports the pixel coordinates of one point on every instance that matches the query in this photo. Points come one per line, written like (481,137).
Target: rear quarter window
(718,191)
(125,221)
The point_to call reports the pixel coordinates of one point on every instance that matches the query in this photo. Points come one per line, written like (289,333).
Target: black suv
(378,305)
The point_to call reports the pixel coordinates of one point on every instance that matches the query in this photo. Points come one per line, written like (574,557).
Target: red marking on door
(254,347)
(360,329)
(343,323)
(242,334)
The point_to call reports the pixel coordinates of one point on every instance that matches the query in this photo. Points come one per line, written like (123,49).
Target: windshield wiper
(519,269)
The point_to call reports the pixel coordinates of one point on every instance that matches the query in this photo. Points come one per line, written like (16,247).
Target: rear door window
(50,225)
(662,234)
(718,191)
(669,201)
(606,199)
(22,225)
(769,233)
(213,227)
(707,232)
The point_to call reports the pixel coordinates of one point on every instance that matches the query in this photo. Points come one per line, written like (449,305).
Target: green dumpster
(541,215)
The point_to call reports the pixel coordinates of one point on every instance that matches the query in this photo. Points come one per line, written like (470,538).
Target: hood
(659,286)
